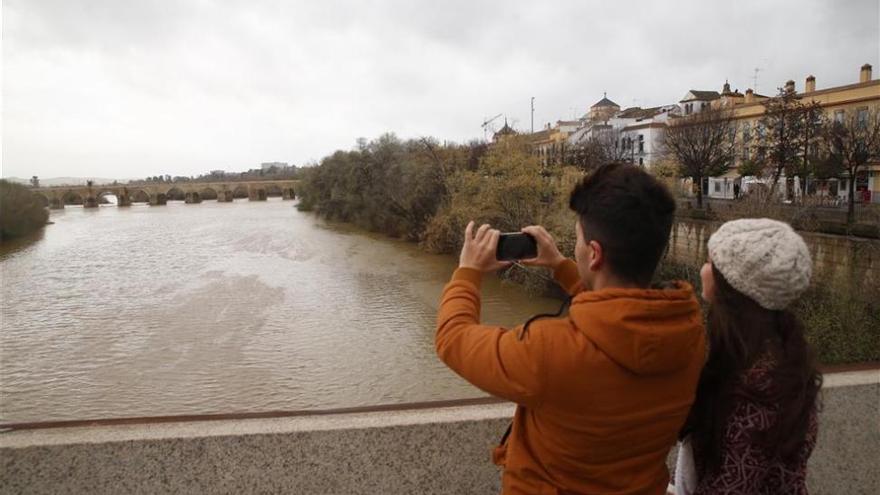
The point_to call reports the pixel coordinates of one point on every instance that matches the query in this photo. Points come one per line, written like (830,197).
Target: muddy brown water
(222,308)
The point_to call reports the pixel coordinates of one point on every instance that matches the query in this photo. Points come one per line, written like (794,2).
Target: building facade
(838,103)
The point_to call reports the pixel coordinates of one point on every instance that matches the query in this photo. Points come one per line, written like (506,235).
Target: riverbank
(376,187)
(21,214)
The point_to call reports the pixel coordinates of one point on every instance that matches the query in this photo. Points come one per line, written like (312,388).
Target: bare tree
(702,145)
(812,122)
(851,142)
(781,143)
(603,146)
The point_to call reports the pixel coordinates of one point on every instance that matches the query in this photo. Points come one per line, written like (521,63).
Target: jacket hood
(646,331)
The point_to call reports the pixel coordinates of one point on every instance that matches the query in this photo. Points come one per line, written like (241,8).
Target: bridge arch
(273,191)
(72,198)
(42,199)
(101,197)
(139,196)
(240,191)
(208,193)
(175,194)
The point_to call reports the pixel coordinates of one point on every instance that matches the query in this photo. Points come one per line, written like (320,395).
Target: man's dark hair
(629,213)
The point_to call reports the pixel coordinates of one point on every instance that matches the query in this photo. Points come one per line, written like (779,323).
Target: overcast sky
(127,89)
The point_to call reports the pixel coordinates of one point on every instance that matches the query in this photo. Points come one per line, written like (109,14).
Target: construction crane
(486,123)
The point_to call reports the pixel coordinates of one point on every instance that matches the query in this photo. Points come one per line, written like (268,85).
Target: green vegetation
(427,192)
(20,211)
(842,319)
(386,185)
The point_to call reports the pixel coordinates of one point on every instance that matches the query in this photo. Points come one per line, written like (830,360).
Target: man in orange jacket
(601,393)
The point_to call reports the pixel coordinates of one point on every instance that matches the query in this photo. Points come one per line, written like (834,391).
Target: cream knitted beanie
(762,258)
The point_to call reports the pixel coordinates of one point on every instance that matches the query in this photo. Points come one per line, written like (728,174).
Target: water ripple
(190,309)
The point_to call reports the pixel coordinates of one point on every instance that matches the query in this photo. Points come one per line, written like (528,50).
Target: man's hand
(548,254)
(479,249)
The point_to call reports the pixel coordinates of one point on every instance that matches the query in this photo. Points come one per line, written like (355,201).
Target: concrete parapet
(443,450)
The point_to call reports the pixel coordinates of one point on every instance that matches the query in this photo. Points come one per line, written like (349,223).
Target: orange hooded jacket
(601,394)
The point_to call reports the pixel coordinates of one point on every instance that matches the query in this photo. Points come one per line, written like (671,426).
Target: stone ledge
(442,450)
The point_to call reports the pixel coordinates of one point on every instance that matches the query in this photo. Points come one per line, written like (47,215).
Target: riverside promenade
(424,448)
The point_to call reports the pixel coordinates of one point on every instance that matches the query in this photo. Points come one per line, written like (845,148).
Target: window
(642,162)
(717,186)
(746,137)
(838,116)
(641,144)
(862,118)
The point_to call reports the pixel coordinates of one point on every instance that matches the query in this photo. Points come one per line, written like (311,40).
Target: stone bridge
(159,193)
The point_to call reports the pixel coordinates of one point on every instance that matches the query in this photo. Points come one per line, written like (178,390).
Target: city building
(837,102)
(551,143)
(503,133)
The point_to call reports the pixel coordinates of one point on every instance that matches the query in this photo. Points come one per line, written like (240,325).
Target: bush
(427,192)
(20,211)
(386,185)
(841,324)
(841,327)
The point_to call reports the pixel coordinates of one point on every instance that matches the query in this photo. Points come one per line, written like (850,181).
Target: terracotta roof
(630,113)
(541,135)
(505,131)
(605,102)
(703,95)
(639,113)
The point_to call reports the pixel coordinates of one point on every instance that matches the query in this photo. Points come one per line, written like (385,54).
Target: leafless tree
(850,143)
(701,144)
(780,139)
(603,146)
(808,163)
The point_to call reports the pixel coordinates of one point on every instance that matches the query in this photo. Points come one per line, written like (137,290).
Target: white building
(638,131)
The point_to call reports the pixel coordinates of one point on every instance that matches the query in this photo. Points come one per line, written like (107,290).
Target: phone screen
(516,246)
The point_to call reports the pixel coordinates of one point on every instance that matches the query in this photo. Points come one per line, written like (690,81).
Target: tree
(782,142)
(812,122)
(20,211)
(851,142)
(749,168)
(701,144)
(601,147)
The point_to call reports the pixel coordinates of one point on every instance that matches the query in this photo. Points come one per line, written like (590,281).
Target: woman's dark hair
(629,212)
(741,332)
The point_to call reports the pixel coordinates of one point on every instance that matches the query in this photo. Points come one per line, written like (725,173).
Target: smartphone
(516,246)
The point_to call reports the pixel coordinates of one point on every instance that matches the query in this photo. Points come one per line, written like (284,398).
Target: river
(222,308)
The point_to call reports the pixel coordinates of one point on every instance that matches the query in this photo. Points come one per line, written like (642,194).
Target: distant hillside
(63,181)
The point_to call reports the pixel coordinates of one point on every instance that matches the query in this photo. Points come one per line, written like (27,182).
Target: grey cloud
(128,89)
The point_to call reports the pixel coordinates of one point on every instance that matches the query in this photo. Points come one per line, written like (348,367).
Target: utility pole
(533,115)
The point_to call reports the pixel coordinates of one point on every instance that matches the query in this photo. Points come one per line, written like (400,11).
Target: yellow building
(838,102)
(550,143)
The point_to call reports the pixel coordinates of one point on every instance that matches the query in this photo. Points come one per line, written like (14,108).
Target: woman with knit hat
(753,424)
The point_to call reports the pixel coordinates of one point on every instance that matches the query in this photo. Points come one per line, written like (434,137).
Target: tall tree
(702,145)
(851,142)
(812,120)
(781,143)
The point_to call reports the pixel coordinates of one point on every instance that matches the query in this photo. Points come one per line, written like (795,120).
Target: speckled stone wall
(834,257)
(422,451)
